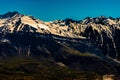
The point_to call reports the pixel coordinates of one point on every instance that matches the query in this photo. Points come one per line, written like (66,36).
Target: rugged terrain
(88,47)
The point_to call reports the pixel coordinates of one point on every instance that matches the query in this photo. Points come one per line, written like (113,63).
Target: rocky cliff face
(101,31)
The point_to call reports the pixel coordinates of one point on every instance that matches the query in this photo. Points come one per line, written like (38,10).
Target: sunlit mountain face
(59,50)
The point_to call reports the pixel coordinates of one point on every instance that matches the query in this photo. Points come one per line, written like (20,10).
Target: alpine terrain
(31,49)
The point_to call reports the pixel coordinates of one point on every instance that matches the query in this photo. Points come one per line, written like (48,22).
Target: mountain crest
(10,14)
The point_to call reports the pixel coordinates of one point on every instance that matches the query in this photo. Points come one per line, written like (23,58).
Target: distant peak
(68,20)
(9,14)
(102,17)
(87,18)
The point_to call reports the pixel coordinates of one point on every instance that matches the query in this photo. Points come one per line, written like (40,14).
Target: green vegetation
(71,51)
(26,68)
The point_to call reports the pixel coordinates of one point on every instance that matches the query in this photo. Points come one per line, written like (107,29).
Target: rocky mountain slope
(101,31)
(69,43)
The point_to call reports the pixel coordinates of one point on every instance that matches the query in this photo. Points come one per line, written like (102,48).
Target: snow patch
(29,21)
(33,23)
(43,26)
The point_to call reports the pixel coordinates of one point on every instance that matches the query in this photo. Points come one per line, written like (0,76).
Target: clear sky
(48,10)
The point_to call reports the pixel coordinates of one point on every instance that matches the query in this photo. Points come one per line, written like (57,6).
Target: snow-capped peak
(17,22)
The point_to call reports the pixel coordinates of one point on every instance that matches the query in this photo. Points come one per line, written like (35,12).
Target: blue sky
(48,10)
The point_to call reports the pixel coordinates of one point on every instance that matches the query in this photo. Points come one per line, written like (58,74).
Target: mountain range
(88,45)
